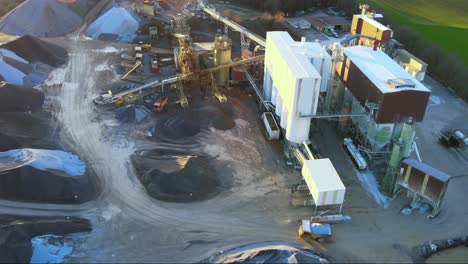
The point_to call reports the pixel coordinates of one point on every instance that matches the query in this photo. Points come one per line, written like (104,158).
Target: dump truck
(316,231)
(158,106)
(453,138)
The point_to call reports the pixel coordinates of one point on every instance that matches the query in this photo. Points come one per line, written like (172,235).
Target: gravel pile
(43,18)
(195,182)
(20,99)
(117,23)
(17,232)
(28,61)
(33,49)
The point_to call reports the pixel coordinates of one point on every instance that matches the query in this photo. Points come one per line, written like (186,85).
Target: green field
(444,22)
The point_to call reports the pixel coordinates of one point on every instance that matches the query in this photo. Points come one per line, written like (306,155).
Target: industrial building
(293,81)
(337,23)
(377,85)
(365,25)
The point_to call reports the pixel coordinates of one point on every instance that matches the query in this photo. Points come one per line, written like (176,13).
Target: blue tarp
(42,159)
(49,249)
(118,21)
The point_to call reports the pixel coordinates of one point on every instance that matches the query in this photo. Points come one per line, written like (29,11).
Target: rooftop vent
(400,83)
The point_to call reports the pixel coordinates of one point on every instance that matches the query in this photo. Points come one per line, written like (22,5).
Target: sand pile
(45,18)
(196,181)
(116,24)
(20,99)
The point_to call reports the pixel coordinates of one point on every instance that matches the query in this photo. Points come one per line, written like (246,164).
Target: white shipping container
(323,181)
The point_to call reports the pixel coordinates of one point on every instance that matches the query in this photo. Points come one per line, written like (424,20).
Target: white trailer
(271,126)
(323,182)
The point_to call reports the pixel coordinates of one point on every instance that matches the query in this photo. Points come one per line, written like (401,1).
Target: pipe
(355,36)
(331,116)
(307,151)
(417,151)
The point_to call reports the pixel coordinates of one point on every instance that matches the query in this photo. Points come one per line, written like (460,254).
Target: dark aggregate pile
(31,185)
(33,49)
(20,99)
(182,126)
(432,247)
(16,234)
(197,181)
(23,130)
(266,252)
(28,130)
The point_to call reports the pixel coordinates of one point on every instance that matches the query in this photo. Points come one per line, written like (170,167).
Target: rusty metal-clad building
(374,78)
(365,25)
(427,182)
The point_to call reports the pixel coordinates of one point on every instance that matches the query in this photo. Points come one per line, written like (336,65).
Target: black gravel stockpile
(46,18)
(432,247)
(181,126)
(185,125)
(29,130)
(33,49)
(197,181)
(16,234)
(8,143)
(269,252)
(31,185)
(20,99)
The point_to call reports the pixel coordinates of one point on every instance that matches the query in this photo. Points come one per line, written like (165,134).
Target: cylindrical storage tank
(222,55)
(407,134)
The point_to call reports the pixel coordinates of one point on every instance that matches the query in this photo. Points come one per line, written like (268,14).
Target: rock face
(45,18)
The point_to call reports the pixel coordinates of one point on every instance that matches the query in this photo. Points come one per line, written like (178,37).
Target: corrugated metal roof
(323,173)
(373,22)
(427,169)
(299,65)
(380,68)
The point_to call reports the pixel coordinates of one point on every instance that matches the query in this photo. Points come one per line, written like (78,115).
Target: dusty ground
(130,226)
(384,235)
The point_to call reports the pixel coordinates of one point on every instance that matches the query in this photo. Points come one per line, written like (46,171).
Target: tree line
(444,66)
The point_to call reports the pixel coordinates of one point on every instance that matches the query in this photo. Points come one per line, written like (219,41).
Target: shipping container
(323,181)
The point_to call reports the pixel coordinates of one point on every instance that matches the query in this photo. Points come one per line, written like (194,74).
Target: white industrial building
(295,74)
